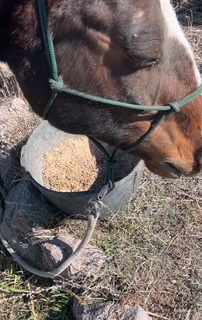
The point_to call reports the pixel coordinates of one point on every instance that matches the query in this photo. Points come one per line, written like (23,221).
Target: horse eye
(153,62)
(150,63)
(143,62)
(95,25)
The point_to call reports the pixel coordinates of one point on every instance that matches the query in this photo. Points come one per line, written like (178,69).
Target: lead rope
(93,210)
(56,272)
(95,204)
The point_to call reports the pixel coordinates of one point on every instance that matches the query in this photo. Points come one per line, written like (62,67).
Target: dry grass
(154,248)
(154,251)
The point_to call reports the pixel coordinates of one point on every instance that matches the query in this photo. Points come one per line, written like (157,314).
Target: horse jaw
(184,132)
(109,65)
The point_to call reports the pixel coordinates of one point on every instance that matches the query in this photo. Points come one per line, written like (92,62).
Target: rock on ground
(108,311)
(16,124)
(26,225)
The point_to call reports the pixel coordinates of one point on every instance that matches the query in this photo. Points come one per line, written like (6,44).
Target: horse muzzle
(176,172)
(174,169)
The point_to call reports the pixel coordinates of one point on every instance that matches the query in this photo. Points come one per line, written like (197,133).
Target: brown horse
(132,51)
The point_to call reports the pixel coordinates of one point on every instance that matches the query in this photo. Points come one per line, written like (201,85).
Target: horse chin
(169,170)
(173,171)
(164,171)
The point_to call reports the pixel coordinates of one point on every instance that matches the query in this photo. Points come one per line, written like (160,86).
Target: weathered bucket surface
(43,140)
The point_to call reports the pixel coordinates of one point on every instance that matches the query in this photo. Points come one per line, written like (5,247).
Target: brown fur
(115,49)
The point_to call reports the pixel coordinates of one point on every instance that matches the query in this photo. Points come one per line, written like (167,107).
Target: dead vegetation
(154,250)
(154,246)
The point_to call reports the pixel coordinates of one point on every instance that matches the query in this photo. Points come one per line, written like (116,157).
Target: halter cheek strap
(57,86)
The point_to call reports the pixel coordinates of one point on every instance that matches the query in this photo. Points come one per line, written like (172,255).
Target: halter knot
(56,85)
(175,106)
(110,163)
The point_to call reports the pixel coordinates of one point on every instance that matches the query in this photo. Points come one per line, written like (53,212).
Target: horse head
(132,51)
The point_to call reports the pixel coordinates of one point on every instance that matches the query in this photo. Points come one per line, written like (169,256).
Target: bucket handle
(92,219)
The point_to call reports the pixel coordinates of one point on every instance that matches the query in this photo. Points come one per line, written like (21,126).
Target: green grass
(23,296)
(154,250)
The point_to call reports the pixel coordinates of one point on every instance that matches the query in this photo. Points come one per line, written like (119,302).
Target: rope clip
(95,204)
(103,192)
(94,207)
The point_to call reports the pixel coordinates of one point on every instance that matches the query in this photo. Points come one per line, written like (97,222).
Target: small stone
(56,251)
(108,311)
(26,220)
(25,212)
(136,314)
(17,122)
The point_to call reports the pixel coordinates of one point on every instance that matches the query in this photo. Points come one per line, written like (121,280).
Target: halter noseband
(57,86)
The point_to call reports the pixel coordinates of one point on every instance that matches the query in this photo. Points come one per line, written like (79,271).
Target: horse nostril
(200,160)
(200,157)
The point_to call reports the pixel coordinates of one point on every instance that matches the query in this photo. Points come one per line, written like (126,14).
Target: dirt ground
(154,246)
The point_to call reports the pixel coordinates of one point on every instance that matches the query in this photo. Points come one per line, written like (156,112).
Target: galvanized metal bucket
(43,140)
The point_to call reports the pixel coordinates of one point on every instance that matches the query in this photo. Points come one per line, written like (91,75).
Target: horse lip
(177,173)
(173,170)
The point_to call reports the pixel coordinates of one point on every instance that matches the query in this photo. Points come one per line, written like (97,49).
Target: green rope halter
(57,86)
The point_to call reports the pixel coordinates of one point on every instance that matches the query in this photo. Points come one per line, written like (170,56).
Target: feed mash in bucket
(69,170)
